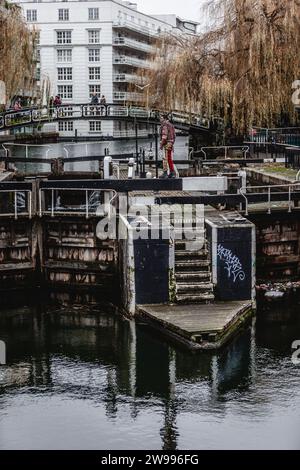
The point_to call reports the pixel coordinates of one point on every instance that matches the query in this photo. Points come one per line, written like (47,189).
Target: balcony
(128,78)
(131,61)
(132,44)
(128,96)
(130,26)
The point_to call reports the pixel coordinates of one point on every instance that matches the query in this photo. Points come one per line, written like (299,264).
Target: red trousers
(168,158)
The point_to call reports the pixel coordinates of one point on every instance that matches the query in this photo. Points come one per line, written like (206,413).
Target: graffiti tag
(233,264)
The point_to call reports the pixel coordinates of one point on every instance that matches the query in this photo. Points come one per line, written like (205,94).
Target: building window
(65,91)
(95,126)
(65,126)
(94,36)
(64,37)
(94,55)
(64,73)
(94,89)
(63,14)
(94,73)
(64,55)
(93,13)
(31,15)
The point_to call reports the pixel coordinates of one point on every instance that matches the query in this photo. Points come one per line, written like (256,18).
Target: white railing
(226,148)
(270,192)
(127,60)
(26,148)
(23,194)
(123,41)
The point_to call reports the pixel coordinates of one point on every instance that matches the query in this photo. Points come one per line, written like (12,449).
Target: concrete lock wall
(232,246)
(147,265)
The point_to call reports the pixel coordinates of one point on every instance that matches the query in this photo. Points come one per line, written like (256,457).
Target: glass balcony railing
(131,61)
(125,24)
(127,96)
(132,44)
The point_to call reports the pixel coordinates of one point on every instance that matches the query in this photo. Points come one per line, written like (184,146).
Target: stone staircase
(192,273)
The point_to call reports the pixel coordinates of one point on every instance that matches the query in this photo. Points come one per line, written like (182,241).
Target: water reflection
(67,149)
(88,379)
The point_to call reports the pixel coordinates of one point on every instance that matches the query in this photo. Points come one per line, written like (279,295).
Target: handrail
(13,144)
(86,191)
(245,149)
(244,191)
(15,192)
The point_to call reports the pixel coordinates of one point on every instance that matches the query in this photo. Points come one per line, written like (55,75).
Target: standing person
(57,101)
(17,105)
(95,99)
(167,141)
(103,100)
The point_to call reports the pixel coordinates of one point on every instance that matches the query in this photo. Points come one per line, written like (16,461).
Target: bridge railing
(11,119)
(15,199)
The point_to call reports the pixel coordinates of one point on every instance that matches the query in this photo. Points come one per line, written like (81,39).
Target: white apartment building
(95,46)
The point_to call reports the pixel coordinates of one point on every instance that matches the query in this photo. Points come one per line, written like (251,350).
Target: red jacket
(167,133)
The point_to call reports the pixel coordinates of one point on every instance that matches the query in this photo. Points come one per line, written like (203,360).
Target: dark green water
(77,379)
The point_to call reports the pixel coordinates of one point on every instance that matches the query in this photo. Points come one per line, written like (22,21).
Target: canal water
(69,149)
(79,378)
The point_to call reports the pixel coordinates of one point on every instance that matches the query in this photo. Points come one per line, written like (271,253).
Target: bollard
(107,168)
(131,168)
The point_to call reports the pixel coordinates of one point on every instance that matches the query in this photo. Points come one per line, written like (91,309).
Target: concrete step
(187,276)
(199,287)
(195,245)
(194,299)
(184,265)
(182,254)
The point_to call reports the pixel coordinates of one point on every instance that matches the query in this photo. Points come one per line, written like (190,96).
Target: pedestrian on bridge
(167,141)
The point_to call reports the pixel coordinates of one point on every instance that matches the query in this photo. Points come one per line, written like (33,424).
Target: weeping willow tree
(17,51)
(242,68)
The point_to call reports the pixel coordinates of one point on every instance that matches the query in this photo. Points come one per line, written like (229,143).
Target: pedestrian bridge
(188,122)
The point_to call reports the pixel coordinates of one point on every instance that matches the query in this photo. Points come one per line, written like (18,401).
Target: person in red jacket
(167,141)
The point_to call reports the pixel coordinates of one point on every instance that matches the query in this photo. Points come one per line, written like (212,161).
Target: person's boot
(172,174)
(164,175)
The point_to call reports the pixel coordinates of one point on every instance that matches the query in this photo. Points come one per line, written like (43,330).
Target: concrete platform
(198,326)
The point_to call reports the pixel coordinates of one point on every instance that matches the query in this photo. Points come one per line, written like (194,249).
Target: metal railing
(34,116)
(90,206)
(18,202)
(227,149)
(268,194)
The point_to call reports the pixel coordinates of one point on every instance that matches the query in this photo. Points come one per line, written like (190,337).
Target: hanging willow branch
(241,69)
(17,51)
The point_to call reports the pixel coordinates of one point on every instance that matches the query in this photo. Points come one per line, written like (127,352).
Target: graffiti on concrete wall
(232,263)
